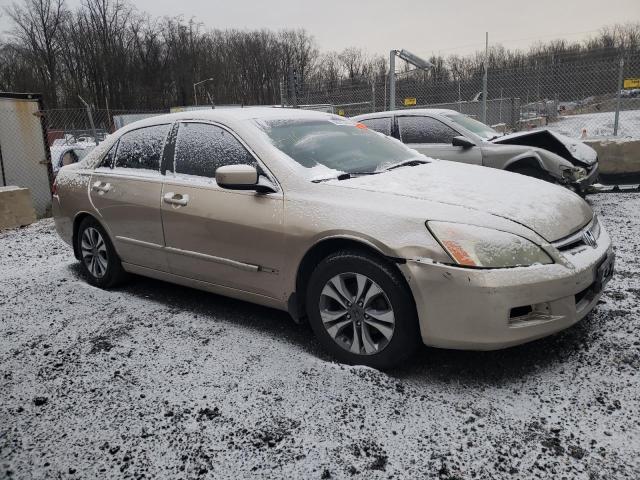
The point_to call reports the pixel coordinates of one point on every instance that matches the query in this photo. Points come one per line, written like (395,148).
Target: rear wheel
(361,310)
(99,259)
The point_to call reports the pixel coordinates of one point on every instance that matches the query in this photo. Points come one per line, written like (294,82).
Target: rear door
(126,190)
(226,237)
(433,138)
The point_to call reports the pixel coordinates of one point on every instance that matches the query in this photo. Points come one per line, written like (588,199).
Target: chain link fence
(579,98)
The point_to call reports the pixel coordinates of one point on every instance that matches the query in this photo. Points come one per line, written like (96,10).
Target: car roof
(230,115)
(412,111)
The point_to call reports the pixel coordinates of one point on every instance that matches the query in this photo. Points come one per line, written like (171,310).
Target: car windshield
(336,144)
(474,126)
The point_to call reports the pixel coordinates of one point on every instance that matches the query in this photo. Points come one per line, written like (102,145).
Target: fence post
(392,80)
(93,126)
(373,96)
(282,93)
(618,94)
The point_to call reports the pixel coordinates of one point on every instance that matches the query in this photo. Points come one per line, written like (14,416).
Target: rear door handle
(176,198)
(101,187)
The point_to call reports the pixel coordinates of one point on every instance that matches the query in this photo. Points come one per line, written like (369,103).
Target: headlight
(574,173)
(595,227)
(472,246)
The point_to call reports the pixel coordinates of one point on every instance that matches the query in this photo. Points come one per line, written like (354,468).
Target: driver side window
(425,130)
(201,148)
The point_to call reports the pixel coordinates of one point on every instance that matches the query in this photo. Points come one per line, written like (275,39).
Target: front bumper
(592,177)
(490,309)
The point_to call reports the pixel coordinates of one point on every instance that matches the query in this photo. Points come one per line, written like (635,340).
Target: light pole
(195,94)
(408,57)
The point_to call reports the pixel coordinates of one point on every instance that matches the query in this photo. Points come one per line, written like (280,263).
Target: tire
(332,294)
(98,258)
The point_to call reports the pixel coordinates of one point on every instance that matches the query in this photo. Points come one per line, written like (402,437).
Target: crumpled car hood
(568,148)
(551,211)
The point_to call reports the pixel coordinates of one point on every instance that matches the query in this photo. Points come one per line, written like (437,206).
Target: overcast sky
(421,26)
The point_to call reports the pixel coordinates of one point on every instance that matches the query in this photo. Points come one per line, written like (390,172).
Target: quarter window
(107,160)
(142,148)
(382,125)
(424,130)
(201,148)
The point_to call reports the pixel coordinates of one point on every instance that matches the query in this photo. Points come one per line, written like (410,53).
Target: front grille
(576,240)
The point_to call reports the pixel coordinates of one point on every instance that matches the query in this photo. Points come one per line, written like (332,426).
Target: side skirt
(207,287)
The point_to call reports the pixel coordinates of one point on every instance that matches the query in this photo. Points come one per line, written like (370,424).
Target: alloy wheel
(94,252)
(356,313)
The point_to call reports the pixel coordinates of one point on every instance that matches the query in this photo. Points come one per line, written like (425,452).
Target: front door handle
(176,198)
(101,187)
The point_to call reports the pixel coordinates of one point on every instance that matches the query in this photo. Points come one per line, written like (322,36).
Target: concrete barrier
(617,156)
(16,207)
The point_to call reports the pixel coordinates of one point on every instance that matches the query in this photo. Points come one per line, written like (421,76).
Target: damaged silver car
(451,135)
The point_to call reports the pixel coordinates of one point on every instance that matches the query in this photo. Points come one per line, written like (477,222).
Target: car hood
(568,148)
(551,211)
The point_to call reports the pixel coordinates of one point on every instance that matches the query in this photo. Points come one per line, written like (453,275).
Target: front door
(126,189)
(433,138)
(226,237)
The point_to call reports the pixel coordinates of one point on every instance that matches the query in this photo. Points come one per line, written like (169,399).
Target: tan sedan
(378,246)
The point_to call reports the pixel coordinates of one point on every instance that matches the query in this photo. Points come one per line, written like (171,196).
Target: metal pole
(392,80)
(195,95)
(282,93)
(93,127)
(373,96)
(484,79)
(618,94)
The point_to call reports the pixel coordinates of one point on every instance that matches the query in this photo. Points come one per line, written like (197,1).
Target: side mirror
(242,177)
(237,177)
(463,142)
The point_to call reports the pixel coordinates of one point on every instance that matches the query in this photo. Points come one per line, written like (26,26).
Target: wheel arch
(527,160)
(319,251)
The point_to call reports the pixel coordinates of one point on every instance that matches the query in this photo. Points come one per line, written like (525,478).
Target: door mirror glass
(463,142)
(237,177)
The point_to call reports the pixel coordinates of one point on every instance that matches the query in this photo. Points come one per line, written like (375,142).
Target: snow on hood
(551,211)
(576,149)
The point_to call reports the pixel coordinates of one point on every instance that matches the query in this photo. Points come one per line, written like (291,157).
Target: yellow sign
(632,83)
(341,112)
(410,101)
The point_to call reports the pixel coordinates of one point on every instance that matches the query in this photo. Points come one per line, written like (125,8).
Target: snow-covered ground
(155,380)
(599,125)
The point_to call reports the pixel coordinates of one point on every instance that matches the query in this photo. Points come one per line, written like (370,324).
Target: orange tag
(361,126)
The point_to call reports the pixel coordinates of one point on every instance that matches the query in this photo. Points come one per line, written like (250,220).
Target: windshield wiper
(494,137)
(344,176)
(408,163)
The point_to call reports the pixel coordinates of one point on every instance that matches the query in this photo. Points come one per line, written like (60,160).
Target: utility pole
(484,79)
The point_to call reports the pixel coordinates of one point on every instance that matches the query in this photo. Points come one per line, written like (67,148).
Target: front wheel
(361,310)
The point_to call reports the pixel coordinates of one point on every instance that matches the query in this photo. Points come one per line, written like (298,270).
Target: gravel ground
(159,381)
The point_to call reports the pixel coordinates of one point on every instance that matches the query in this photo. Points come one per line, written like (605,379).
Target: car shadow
(217,308)
(428,365)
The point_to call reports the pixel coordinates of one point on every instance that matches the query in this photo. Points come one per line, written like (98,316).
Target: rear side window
(382,125)
(201,148)
(142,148)
(424,130)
